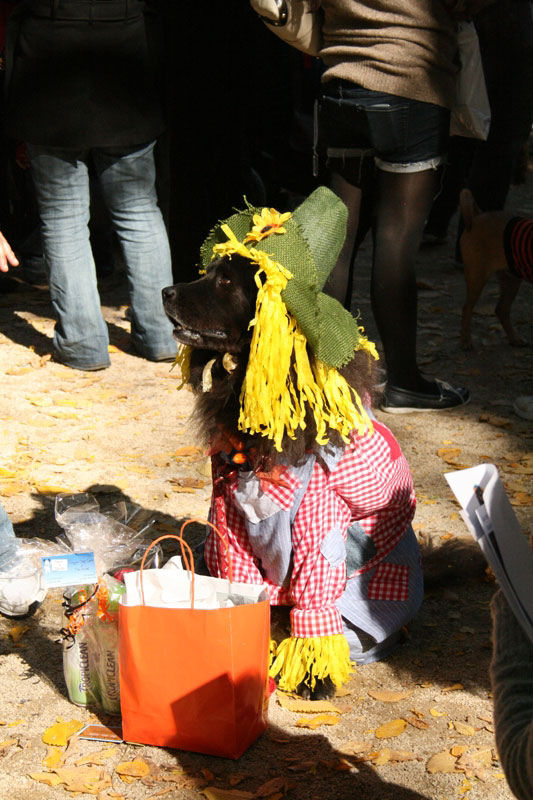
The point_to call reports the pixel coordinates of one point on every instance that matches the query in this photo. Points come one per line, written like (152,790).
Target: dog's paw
(323,690)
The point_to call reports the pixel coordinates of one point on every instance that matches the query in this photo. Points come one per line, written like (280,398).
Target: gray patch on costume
(333,548)
(360,548)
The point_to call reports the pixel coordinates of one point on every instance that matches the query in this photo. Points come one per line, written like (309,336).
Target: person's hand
(7,256)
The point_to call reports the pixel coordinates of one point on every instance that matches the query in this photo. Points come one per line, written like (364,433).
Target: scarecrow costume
(331,535)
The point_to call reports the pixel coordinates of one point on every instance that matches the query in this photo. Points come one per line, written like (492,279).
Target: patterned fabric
(518,244)
(370,484)
(390,582)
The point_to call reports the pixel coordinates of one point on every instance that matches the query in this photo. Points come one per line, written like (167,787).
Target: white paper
(171,588)
(491,520)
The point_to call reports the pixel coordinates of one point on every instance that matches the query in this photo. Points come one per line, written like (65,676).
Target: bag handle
(186,553)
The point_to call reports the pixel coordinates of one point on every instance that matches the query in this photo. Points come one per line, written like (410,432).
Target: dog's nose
(169,293)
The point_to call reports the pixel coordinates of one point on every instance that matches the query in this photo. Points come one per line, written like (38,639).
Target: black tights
(400,209)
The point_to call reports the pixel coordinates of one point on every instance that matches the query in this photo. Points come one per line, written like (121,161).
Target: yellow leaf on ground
(99,757)
(91,780)
(465,786)
(453,688)
(393,728)
(9,489)
(383,757)
(132,769)
(387,696)
(316,722)
(53,757)
(214,793)
(441,762)
(7,473)
(188,450)
(306,706)
(449,454)
(59,733)
(464,729)
(274,785)
(50,778)
(8,743)
(436,713)
(17,632)
(45,488)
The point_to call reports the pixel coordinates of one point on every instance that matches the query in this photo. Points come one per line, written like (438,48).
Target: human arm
(512,685)
(7,256)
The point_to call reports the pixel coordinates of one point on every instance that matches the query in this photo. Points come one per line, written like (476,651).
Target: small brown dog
(483,252)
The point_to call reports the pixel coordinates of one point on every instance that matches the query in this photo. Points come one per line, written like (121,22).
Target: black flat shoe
(402,401)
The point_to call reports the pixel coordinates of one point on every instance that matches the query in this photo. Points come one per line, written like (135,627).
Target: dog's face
(214,312)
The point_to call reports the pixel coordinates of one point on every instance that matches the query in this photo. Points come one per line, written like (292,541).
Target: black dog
(212,315)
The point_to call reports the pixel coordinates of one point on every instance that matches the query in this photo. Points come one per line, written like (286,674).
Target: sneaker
(402,401)
(523,406)
(21,590)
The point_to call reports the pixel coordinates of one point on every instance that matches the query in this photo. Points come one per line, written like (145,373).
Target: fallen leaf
(191,483)
(97,758)
(17,632)
(417,723)
(497,422)
(441,762)
(50,778)
(458,750)
(44,488)
(214,793)
(91,780)
(465,786)
(454,687)
(132,770)
(188,450)
(387,696)
(316,722)
(274,785)
(6,744)
(393,728)
(59,733)
(403,755)
(383,757)
(305,706)
(436,713)
(53,757)
(464,729)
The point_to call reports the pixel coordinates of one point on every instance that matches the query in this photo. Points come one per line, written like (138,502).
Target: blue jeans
(8,541)
(401,135)
(127,181)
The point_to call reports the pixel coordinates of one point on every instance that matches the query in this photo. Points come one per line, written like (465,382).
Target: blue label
(71,569)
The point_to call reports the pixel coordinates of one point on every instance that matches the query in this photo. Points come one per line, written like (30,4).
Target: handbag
(470,115)
(194,678)
(297,22)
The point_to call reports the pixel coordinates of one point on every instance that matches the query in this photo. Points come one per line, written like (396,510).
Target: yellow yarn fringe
(183,360)
(271,405)
(319,657)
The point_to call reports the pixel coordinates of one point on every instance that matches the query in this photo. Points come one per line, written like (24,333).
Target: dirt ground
(124,433)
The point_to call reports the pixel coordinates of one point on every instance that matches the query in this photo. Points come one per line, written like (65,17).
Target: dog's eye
(223,280)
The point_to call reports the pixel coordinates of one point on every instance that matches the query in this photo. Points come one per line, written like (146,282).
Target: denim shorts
(401,135)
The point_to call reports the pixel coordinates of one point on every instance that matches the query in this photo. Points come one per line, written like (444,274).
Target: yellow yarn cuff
(320,657)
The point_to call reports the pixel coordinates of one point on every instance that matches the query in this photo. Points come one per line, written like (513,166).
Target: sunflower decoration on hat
(293,254)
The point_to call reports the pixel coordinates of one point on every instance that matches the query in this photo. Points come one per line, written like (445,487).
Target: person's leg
(62,190)
(128,186)
(337,285)
(404,200)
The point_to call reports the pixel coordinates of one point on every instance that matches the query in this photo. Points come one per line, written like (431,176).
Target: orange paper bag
(194,679)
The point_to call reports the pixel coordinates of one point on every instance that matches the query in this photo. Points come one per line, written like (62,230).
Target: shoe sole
(411,410)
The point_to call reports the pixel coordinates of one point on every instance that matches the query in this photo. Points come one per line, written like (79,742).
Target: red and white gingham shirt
(371,484)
